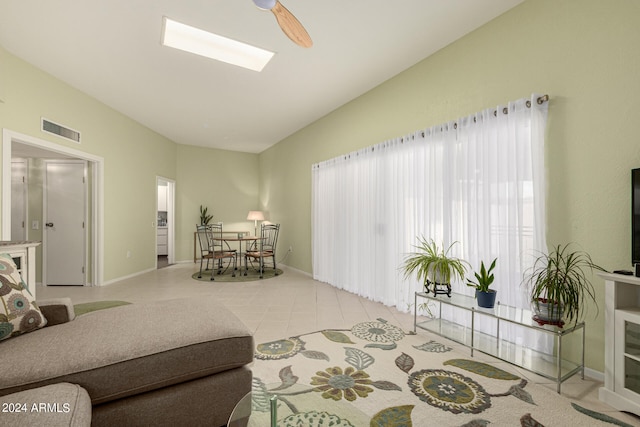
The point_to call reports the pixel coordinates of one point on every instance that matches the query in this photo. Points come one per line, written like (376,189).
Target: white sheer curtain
(478,181)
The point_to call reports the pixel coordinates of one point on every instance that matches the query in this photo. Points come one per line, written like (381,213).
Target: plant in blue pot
(484,278)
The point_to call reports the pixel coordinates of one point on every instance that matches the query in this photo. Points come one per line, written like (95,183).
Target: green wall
(583,53)
(226,182)
(133,157)
(126,146)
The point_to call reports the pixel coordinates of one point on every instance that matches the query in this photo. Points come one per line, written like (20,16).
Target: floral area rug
(377,375)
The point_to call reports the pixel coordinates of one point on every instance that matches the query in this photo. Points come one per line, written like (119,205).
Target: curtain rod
(541,100)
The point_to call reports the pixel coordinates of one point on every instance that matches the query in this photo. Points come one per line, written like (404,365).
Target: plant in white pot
(434,266)
(484,278)
(560,283)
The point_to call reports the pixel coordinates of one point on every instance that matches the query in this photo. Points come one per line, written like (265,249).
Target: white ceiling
(110,49)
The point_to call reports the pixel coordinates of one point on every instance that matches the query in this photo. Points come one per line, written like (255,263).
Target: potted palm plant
(560,283)
(484,278)
(204,216)
(434,265)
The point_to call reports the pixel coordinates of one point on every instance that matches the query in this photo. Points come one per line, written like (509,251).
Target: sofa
(172,362)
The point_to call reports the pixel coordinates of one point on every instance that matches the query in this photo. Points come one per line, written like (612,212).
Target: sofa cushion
(57,310)
(132,349)
(53,405)
(19,312)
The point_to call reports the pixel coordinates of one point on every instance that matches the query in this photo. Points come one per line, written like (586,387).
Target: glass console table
(556,365)
(297,405)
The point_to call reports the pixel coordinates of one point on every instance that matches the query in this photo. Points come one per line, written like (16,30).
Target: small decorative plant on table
(484,278)
(559,285)
(434,266)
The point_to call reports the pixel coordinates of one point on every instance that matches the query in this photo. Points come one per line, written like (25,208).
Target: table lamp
(255,216)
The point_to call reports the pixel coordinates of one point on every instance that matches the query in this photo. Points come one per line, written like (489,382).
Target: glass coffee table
(297,405)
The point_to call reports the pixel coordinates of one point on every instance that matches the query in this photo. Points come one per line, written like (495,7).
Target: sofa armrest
(57,310)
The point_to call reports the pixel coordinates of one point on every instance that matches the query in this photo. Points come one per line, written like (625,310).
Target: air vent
(62,131)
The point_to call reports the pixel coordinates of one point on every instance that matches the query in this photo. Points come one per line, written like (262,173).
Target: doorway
(14,145)
(165,222)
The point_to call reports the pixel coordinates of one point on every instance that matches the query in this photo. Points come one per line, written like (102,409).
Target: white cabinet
(622,343)
(24,255)
(162,241)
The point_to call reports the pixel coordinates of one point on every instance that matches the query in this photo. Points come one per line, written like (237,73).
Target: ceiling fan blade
(291,26)
(289,23)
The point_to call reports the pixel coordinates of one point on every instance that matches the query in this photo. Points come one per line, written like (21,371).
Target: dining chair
(265,247)
(212,249)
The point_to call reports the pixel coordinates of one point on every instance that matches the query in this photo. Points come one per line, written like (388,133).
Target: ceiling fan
(289,24)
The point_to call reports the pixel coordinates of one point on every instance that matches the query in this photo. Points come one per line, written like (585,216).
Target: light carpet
(377,375)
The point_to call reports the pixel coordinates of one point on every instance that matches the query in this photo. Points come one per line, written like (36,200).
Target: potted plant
(484,278)
(204,217)
(434,265)
(560,284)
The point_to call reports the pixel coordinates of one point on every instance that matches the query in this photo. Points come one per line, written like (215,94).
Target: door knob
(49,224)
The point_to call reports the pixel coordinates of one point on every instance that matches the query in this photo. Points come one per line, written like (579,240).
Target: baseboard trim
(286,267)
(109,282)
(593,374)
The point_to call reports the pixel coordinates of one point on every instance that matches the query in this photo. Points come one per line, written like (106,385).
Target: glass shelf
(632,339)
(510,314)
(632,353)
(551,366)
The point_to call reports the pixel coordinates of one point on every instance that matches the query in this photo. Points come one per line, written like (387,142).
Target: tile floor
(289,305)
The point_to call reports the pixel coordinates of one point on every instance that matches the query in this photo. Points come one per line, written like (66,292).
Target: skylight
(194,40)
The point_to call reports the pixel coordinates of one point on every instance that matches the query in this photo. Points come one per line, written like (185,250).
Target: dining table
(240,238)
(224,233)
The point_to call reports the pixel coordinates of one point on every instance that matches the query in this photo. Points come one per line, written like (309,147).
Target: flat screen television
(635,216)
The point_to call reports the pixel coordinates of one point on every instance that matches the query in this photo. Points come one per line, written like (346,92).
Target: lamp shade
(255,216)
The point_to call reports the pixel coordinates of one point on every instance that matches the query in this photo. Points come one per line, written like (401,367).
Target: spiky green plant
(204,217)
(484,278)
(562,278)
(430,261)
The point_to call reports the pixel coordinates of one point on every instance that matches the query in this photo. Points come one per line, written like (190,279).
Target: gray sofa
(174,362)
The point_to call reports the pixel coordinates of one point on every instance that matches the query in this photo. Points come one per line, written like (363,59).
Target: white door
(64,217)
(18,199)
